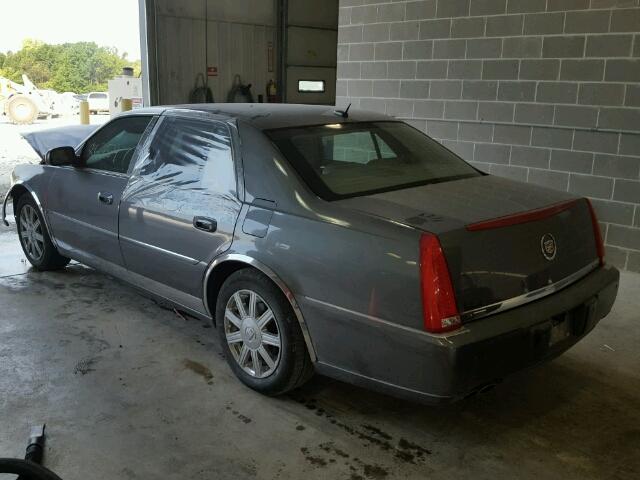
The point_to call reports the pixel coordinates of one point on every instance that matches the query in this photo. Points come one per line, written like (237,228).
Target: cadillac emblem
(548,246)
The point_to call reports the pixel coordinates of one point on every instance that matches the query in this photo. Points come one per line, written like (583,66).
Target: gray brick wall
(542,91)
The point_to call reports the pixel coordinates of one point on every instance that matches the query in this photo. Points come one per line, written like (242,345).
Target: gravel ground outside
(14,150)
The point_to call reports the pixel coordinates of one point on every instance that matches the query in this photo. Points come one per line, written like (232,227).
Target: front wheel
(34,237)
(260,335)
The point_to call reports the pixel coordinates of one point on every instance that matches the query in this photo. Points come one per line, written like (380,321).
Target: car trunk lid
(502,239)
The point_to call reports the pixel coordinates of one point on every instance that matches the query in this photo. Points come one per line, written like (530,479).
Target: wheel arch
(19,189)
(222,267)
(15,192)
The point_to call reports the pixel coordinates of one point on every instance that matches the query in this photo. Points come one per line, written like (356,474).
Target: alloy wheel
(31,233)
(252,333)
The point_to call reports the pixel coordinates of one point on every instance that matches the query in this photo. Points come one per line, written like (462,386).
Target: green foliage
(71,67)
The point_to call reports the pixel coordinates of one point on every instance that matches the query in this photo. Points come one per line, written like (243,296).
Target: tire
(34,237)
(292,365)
(22,110)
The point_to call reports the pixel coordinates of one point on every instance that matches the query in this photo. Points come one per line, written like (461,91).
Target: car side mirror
(63,156)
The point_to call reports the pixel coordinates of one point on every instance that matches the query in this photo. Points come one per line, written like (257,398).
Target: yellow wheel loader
(23,104)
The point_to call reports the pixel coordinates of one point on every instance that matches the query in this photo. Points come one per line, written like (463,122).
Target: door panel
(181,206)
(83,202)
(79,220)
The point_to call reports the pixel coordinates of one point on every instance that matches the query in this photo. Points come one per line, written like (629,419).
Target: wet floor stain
(377,431)
(85,366)
(329,447)
(239,416)
(409,451)
(400,449)
(330,454)
(199,369)
(313,460)
(375,472)
(90,285)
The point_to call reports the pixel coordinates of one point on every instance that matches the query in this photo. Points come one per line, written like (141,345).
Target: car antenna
(343,113)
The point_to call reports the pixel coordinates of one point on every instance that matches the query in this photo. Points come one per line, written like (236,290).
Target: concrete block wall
(542,91)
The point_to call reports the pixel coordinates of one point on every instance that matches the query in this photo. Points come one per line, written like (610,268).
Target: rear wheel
(34,237)
(260,334)
(22,110)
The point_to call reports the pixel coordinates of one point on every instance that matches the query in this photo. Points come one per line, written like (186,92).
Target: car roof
(266,116)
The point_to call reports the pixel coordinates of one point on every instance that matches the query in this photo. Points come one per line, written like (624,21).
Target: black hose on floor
(26,469)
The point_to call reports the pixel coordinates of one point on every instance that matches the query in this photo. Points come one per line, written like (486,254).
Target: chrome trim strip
(271,274)
(520,300)
(441,336)
(85,224)
(193,261)
(479,312)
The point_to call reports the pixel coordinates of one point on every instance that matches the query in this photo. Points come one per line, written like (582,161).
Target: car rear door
(83,202)
(181,206)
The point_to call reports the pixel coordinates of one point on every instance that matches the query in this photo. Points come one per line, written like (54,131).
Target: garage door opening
(284,50)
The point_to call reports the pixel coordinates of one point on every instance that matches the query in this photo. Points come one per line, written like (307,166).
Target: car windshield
(354,159)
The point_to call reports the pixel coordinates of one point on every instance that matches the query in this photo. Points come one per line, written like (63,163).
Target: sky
(109,23)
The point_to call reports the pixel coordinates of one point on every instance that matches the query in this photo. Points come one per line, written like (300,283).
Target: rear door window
(192,154)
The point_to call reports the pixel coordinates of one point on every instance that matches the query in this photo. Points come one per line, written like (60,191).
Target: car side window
(192,154)
(113,146)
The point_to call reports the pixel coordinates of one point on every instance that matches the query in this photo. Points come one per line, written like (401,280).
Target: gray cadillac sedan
(348,244)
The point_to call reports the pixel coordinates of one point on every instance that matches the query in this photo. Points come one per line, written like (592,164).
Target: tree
(71,67)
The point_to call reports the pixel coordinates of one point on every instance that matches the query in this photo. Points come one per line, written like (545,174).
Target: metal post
(84,112)
(125,104)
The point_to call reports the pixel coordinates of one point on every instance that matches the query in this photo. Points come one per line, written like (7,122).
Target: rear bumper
(440,369)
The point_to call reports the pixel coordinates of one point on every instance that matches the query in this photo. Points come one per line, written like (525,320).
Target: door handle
(206,224)
(105,197)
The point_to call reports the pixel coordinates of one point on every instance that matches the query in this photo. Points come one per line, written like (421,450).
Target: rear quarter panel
(337,270)
(336,262)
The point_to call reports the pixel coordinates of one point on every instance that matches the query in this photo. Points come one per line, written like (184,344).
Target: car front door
(83,202)
(180,208)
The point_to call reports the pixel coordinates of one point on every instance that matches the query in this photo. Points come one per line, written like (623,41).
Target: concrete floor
(133,391)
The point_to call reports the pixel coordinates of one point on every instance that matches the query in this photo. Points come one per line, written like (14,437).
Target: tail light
(438,300)
(596,232)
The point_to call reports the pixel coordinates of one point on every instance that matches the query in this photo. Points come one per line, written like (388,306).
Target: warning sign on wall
(212,71)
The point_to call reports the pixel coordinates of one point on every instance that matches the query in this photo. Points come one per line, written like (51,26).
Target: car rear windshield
(353,159)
